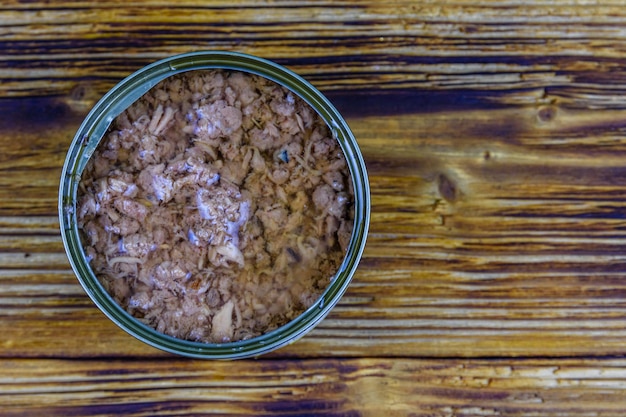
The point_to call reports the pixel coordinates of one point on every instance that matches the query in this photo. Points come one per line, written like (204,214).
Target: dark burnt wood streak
(494,279)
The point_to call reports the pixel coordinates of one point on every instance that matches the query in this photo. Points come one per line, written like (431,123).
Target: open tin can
(96,125)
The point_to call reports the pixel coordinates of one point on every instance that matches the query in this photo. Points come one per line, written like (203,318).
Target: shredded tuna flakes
(217,207)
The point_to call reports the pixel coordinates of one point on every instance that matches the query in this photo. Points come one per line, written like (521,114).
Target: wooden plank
(570,49)
(352,387)
(504,240)
(386,312)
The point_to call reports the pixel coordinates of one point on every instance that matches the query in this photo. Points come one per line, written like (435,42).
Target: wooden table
(494,279)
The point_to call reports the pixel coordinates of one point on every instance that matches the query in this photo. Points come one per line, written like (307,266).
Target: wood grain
(483,245)
(354,387)
(572,49)
(493,282)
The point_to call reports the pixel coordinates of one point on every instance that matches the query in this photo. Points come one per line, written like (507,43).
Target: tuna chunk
(223,323)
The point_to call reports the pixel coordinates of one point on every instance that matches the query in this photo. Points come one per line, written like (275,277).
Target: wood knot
(546,114)
(81,99)
(78,93)
(447,188)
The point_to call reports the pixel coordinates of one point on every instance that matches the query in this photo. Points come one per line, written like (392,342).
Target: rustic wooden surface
(494,279)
